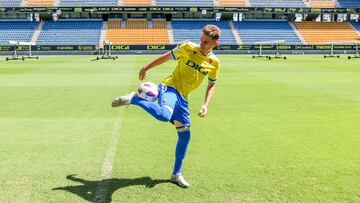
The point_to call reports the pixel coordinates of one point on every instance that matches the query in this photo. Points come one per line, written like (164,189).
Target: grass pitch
(282,131)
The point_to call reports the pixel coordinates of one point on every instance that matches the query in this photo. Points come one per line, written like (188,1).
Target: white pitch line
(102,186)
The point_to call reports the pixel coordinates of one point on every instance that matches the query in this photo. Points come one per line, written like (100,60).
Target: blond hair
(212,31)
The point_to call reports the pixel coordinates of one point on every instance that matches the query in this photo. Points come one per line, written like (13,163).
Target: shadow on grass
(101,191)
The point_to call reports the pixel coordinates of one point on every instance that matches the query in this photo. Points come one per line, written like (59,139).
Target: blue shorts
(169,96)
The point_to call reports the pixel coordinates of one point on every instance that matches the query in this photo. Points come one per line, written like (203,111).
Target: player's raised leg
(162,110)
(123,100)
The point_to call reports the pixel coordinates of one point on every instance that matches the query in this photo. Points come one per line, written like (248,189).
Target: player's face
(206,43)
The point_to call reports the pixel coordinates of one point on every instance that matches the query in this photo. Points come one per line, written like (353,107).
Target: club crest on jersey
(176,49)
(196,67)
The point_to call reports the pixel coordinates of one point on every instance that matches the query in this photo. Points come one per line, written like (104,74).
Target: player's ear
(216,43)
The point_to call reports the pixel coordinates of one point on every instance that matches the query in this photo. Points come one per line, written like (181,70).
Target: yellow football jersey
(191,69)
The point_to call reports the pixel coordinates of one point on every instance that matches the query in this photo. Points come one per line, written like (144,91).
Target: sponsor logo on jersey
(197,67)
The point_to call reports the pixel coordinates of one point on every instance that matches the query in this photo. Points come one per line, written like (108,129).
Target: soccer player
(195,62)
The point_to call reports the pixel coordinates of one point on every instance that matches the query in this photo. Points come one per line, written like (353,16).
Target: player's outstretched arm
(160,60)
(209,94)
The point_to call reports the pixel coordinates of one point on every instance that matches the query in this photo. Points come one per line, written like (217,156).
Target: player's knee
(178,124)
(184,135)
(183,130)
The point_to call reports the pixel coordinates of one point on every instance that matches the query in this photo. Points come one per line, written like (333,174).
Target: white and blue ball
(148,91)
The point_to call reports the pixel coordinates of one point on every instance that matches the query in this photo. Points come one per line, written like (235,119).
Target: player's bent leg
(123,100)
(161,113)
(180,152)
(163,110)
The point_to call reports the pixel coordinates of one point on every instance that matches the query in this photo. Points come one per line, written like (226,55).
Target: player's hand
(142,74)
(203,111)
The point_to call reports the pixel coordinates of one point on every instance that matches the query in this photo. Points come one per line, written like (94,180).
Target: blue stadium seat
(10,3)
(192,30)
(175,3)
(356,25)
(259,31)
(348,4)
(17,31)
(70,33)
(76,3)
(277,3)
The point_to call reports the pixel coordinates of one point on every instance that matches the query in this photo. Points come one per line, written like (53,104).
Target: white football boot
(123,100)
(179,180)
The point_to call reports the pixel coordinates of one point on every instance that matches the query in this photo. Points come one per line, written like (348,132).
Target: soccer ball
(148,91)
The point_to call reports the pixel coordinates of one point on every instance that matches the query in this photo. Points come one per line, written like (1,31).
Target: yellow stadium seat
(322,3)
(137,2)
(137,32)
(239,3)
(325,32)
(40,3)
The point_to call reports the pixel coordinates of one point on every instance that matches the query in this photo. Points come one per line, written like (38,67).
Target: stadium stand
(348,3)
(70,33)
(192,30)
(322,3)
(159,24)
(17,31)
(325,32)
(260,31)
(175,3)
(136,2)
(40,3)
(238,3)
(10,3)
(277,3)
(76,3)
(356,25)
(137,32)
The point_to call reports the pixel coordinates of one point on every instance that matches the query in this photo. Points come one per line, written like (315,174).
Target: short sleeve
(213,75)
(178,51)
